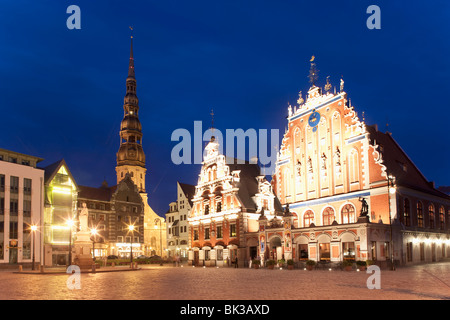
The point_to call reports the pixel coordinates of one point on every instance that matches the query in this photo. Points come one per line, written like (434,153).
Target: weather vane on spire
(212,121)
(313,72)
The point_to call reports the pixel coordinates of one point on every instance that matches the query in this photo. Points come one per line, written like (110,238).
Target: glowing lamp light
(392,190)
(33,228)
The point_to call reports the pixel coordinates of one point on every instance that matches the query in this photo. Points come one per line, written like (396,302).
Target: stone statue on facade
(84,214)
(364,207)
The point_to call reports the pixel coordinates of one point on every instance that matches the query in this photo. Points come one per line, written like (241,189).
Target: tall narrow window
(353,166)
(287,191)
(14,207)
(419,214)
(26,186)
(431,216)
(406,213)
(27,208)
(232,230)
(14,181)
(219,231)
(441,218)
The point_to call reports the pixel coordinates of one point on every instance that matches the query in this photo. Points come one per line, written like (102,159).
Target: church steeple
(131,157)
(131,64)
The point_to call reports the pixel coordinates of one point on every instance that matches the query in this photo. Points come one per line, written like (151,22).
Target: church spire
(131,157)
(131,64)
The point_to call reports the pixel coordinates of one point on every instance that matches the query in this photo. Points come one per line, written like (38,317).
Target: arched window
(308,218)
(431,215)
(348,214)
(406,213)
(328,216)
(419,214)
(441,218)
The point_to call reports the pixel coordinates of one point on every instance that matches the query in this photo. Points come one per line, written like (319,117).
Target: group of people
(176,260)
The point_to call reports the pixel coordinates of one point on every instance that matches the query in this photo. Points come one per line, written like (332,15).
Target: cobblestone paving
(168,283)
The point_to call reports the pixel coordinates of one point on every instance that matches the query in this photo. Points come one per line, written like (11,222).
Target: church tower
(131,157)
(131,160)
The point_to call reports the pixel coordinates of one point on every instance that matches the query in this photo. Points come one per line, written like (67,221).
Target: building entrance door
(196,258)
(13,255)
(253,252)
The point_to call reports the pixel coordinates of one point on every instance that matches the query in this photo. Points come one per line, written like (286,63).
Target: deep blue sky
(61,90)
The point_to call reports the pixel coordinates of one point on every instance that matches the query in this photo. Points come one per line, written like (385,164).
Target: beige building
(21,206)
(177,221)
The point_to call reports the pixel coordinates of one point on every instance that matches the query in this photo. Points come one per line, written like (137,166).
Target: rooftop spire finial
(313,72)
(131,64)
(212,122)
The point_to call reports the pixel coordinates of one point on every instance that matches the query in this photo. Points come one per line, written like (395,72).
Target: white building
(177,221)
(21,206)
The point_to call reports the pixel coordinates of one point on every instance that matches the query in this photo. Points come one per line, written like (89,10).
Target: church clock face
(313,120)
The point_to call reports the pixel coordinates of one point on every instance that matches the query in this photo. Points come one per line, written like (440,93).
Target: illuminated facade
(111,211)
(60,207)
(131,160)
(331,164)
(177,221)
(228,200)
(21,198)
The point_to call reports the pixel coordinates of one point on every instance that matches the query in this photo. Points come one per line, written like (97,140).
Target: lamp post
(160,233)
(131,228)
(33,230)
(94,234)
(70,223)
(391,190)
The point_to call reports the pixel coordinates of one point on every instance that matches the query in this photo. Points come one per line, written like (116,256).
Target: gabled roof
(188,190)
(100,194)
(248,184)
(51,170)
(400,165)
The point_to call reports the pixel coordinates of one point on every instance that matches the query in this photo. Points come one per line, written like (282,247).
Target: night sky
(61,90)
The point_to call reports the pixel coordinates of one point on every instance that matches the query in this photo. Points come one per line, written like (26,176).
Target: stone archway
(275,248)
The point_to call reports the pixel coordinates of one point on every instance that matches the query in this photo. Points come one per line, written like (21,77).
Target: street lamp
(70,223)
(131,228)
(33,230)
(160,233)
(391,190)
(94,233)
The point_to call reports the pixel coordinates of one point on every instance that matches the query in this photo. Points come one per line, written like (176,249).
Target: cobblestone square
(430,281)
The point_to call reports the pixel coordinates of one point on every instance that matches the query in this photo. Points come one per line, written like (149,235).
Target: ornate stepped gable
(323,150)
(328,152)
(226,185)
